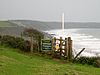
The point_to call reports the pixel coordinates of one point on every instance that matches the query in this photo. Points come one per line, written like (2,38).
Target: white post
(63,22)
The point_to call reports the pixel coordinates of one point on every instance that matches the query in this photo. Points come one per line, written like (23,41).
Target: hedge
(16,42)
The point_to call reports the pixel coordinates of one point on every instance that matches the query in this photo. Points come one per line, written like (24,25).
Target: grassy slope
(14,63)
(8,28)
(6,24)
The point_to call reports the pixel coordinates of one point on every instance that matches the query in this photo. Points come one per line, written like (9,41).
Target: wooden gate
(64,47)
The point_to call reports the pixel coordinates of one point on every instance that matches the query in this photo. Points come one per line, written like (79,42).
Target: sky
(51,10)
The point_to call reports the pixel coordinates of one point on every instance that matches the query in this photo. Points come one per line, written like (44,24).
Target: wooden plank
(59,39)
(79,53)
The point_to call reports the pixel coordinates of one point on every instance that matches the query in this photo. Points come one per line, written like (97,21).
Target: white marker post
(63,22)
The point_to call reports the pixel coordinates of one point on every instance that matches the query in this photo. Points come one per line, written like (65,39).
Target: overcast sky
(51,10)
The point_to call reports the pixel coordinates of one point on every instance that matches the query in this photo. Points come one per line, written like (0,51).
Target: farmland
(6,24)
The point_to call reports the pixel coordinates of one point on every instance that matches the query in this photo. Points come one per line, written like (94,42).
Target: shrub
(8,40)
(0,39)
(26,46)
(17,42)
(95,61)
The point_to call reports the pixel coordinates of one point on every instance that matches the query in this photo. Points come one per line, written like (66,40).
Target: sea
(88,38)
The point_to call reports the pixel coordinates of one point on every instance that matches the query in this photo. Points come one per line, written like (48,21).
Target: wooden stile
(66,43)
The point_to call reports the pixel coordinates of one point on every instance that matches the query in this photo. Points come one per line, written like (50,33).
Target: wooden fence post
(69,48)
(31,44)
(53,43)
(60,46)
(39,44)
(71,45)
(66,47)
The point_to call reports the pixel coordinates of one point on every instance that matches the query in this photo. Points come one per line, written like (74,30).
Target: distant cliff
(42,26)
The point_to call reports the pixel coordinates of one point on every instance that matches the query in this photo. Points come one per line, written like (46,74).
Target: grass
(14,63)
(6,24)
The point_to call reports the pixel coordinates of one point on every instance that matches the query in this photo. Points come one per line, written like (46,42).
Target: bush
(8,40)
(85,60)
(17,42)
(26,46)
(95,61)
(0,37)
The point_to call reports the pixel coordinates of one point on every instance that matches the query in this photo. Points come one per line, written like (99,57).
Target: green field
(14,63)
(6,24)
